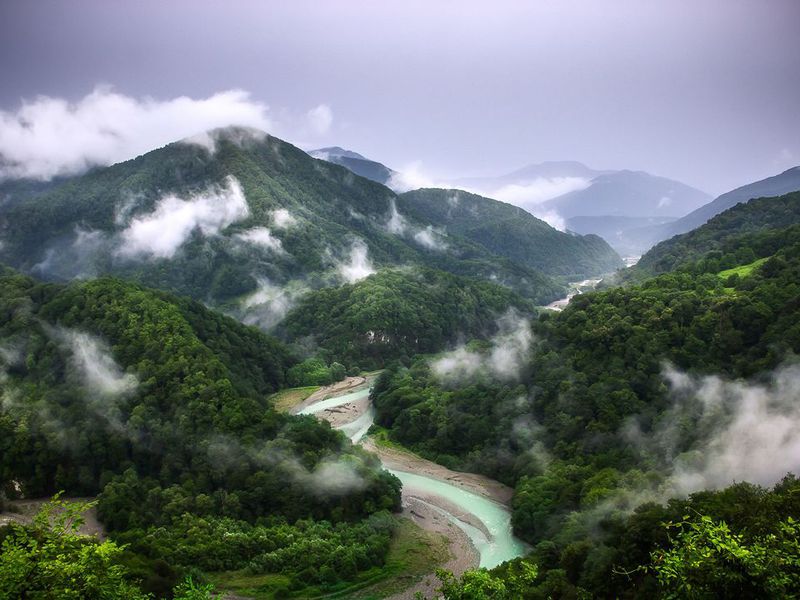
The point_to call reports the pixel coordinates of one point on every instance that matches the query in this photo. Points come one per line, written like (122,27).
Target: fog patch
(358,266)
(282,218)
(504,360)
(428,237)
(76,259)
(237,135)
(753,430)
(268,305)
(160,233)
(260,236)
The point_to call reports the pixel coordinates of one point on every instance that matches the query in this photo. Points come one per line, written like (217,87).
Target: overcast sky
(704,91)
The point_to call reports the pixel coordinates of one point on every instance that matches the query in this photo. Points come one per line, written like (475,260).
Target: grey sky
(707,92)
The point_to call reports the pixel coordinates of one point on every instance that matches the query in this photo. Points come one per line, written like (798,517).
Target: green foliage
(708,560)
(507,583)
(395,314)
(194,438)
(314,372)
(511,232)
(50,560)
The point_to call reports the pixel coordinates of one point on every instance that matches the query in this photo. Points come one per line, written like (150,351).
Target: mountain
(621,233)
(756,225)
(356,163)
(560,169)
(511,232)
(629,194)
(788,181)
(239,220)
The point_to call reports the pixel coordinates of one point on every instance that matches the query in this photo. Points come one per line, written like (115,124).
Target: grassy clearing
(413,554)
(742,270)
(286,400)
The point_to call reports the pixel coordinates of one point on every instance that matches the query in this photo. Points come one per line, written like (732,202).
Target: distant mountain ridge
(356,163)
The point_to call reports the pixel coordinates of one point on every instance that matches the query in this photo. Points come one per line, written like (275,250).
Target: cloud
(753,430)
(94,365)
(359,266)
(411,177)
(268,305)
(260,236)
(282,218)
(320,119)
(429,237)
(160,233)
(504,360)
(50,136)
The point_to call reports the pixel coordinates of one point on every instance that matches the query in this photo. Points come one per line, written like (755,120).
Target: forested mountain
(244,221)
(398,314)
(683,383)
(356,163)
(512,232)
(159,405)
(744,228)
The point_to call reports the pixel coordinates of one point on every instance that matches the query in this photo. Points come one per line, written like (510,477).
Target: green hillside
(159,406)
(236,212)
(511,232)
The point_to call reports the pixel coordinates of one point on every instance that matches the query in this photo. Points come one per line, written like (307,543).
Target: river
(470,502)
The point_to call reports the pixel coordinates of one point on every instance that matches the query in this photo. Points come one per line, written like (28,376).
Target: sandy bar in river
(346,385)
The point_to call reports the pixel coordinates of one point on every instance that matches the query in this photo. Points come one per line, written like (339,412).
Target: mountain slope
(356,163)
(511,232)
(755,218)
(237,219)
(788,181)
(629,194)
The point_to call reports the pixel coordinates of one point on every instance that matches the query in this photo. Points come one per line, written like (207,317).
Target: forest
(158,406)
(611,412)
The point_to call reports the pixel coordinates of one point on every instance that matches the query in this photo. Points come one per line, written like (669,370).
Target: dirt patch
(23,511)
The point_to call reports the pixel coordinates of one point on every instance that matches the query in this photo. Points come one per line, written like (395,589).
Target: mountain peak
(331,152)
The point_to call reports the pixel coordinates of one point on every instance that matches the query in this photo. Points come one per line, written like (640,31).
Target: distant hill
(557,169)
(356,163)
(788,181)
(629,194)
(622,233)
(743,225)
(511,232)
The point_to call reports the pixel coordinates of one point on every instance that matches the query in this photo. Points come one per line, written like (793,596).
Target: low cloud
(50,136)
(428,237)
(268,305)
(753,430)
(95,367)
(504,360)
(283,219)
(358,266)
(160,233)
(260,236)
(411,177)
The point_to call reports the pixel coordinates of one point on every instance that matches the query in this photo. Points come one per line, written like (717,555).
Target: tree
(708,560)
(49,559)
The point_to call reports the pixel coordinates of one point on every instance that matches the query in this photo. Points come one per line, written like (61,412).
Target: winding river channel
(454,496)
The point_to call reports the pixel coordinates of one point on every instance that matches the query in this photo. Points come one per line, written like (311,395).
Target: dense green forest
(159,406)
(398,314)
(512,232)
(611,410)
